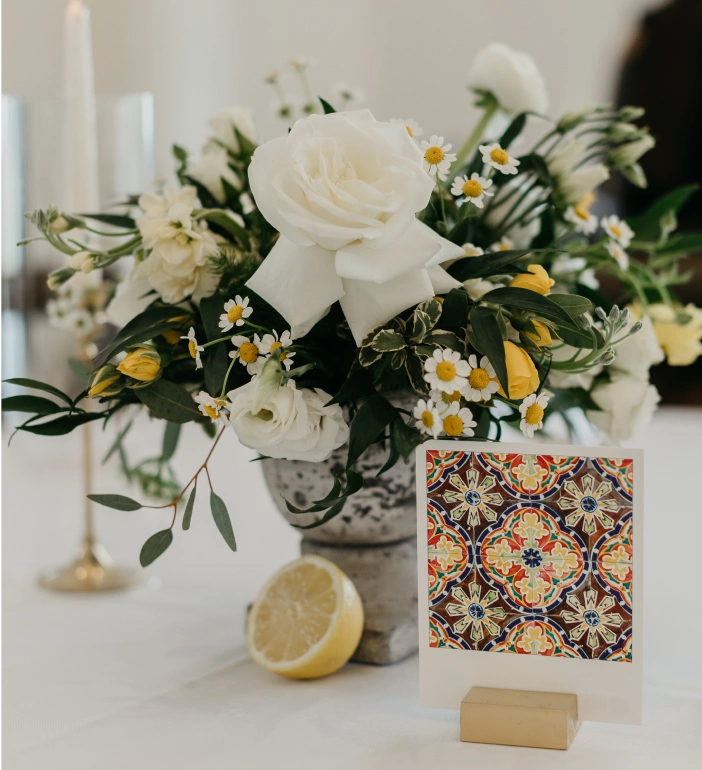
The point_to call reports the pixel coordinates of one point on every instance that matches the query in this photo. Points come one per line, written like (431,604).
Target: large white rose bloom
(286,422)
(627,404)
(178,265)
(512,77)
(226,122)
(343,190)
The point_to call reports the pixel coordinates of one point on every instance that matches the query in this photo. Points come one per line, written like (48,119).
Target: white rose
(286,422)
(343,190)
(627,404)
(224,123)
(132,296)
(638,353)
(212,169)
(512,77)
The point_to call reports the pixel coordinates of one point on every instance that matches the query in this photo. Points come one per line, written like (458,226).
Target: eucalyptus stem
(472,141)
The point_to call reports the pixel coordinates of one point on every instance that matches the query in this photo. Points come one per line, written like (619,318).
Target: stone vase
(373,540)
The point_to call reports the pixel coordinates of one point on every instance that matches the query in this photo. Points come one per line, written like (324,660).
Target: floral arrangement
(286,289)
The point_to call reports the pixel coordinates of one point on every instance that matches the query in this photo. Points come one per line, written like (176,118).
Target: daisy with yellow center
(580,216)
(457,421)
(443,399)
(271,342)
(495,156)
(532,410)
(427,417)
(617,253)
(193,348)
(209,406)
(504,244)
(248,353)
(471,250)
(437,158)
(411,126)
(445,370)
(618,230)
(474,189)
(481,379)
(235,311)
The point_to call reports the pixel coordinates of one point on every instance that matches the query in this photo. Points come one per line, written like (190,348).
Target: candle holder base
(92,571)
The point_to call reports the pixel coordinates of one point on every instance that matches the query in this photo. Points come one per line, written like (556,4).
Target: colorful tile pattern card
(530,573)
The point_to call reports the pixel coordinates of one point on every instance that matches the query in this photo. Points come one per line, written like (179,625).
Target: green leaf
(24,382)
(217,360)
(169,401)
(573,304)
(171,434)
(359,384)
(222,520)
(430,311)
(80,371)
(386,341)
(415,373)
(373,416)
(328,109)
(61,425)
(547,232)
(537,164)
(145,326)
(155,546)
(368,356)
(487,332)
(525,299)
(514,129)
(647,226)
(116,220)
(405,438)
(445,339)
(118,502)
(32,404)
(188,513)
(682,244)
(221,218)
(579,338)
(479,267)
(245,144)
(454,311)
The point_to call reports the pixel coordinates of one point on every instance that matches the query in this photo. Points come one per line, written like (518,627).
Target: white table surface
(159,677)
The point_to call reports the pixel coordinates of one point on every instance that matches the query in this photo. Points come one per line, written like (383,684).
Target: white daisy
(458,421)
(618,230)
(437,158)
(235,311)
(271,342)
(504,244)
(193,348)
(617,253)
(428,420)
(445,370)
(474,189)
(532,411)
(498,158)
(209,406)
(248,353)
(412,127)
(470,250)
(481,380)
(444,400)
(579,214)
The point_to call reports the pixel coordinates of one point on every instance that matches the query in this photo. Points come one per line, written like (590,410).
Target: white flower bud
(87,265)
(60,225)
(563,160)
(76,260)
(583,181)
(573,119)
(628,154)
(53,282)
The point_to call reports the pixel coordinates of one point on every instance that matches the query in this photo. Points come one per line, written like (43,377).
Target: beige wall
(409,55)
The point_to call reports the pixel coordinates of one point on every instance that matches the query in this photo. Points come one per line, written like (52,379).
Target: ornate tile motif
(530,554)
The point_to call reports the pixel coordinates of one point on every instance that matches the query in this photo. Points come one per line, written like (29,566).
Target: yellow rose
(680,341)
(105,381)
(172,336)
(543,336)
(143,364)
(521,373)
(537,279)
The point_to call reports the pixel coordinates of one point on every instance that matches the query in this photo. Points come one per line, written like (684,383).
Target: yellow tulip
(143,364)
(543,336)
(537,279)
(521,373)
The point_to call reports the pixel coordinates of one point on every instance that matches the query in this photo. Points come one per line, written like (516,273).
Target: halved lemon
(306,621)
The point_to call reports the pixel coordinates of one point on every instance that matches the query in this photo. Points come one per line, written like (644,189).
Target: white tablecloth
(158,677)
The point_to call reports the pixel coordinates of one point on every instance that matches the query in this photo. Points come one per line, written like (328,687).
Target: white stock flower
(411,126)
(445,370)
(512,77)
(343,190)
(474,189)
(618,230)
(481,379)
(270,342)
(495,156)
(532,412)
(427,417)
(229,120)
(579,183)
(437,158)
(627,404)
(212,169)
(286,422)
(618,254)
(236,311)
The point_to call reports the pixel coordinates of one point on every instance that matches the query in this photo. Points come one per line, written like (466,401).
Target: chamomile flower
(470,250)
(248,353)
(209,406)
(532,411)
(271,342)
(617,253)
(411,126)
(437,158)
(348,96)
(457,421)
(235,311)
(427,416)
(193,348)
(444,400)
(301,63)
(580,215)
(618,230)
(504,244)
(481,380)
(445,370)
(474,189)
(498,158)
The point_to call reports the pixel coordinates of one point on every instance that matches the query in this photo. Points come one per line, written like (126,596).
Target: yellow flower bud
(143,364)
(537,279)
(172,336)
(543,336)
(106,381)
(521,373)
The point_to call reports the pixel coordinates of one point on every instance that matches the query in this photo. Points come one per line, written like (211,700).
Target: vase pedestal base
(385,577)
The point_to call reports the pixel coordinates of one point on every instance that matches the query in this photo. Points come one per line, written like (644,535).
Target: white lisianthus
(132,296)
(636,354)
(628,154)
(512,77)
(627,404)
(343,190)
(212,169)
(563,160)
(178,265)
(579,183)
(229,120)
(282,421)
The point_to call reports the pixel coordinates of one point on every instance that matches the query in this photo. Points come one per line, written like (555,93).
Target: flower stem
(472,141)
(214,342)
(226,377)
